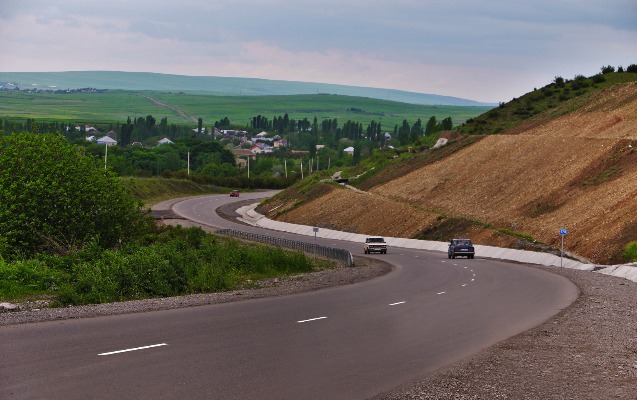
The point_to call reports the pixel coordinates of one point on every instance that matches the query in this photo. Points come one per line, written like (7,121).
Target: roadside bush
(180,261)
(28,277)
(632,68)
(53,199)
(630,251)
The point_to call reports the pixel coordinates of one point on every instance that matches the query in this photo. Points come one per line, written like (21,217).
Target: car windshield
(462,242)
(375,240)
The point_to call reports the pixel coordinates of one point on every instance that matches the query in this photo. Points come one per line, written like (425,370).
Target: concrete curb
(627,271)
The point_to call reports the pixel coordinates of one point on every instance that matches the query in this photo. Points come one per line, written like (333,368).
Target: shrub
(180,261)
(599,78)
(632,68)
(608,69)
(26,277)
(630,251)
(54,199)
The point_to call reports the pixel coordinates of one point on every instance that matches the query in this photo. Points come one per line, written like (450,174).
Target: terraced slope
(574,167)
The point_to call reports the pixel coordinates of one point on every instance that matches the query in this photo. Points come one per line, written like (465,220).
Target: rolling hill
(185,108)
(222,86)
(572,166)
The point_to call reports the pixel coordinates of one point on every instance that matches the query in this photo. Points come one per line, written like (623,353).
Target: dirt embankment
(576,171)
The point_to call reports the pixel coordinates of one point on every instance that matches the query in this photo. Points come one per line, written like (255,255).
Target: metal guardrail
(328,252)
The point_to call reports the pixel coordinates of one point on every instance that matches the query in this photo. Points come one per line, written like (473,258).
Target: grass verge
(170,262)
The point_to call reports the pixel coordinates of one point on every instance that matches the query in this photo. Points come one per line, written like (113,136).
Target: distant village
(13,86)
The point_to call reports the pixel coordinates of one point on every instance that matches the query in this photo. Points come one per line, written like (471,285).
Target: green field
(181,108)
(213,85)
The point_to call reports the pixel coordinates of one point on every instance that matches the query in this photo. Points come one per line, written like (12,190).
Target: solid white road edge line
(395,304)
(311,319)
(134,349)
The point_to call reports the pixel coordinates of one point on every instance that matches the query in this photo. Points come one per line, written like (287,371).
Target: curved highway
(349,342)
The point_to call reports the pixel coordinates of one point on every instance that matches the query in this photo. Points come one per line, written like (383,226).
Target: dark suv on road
(461,248)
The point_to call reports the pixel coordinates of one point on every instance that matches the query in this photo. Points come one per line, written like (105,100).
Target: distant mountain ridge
(223,86)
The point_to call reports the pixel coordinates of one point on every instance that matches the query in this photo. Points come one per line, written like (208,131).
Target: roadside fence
(328,252)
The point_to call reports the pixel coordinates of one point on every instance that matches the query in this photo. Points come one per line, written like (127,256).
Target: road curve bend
(349,342)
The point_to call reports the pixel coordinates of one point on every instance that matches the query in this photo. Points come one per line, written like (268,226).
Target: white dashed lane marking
(309,320)
(395,304)
(133,349)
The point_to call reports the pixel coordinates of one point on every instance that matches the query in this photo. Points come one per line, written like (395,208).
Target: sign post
(315,229)
(562,233)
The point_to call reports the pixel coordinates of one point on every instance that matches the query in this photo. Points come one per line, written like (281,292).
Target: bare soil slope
(575,170)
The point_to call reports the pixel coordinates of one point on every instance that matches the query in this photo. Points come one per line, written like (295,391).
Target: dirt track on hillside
(577,171)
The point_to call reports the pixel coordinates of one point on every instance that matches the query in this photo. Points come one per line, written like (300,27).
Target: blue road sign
(562,231)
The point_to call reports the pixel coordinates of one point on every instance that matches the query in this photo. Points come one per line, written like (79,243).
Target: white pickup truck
(375,245)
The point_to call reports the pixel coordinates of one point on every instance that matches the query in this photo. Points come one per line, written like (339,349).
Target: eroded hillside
(573,168)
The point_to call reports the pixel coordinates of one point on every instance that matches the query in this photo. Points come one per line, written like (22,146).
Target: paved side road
(627,271)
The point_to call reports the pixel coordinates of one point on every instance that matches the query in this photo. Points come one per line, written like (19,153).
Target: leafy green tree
(446,124)
(404,133)
(126,134)
(431,125)
(417,131)
(54,199)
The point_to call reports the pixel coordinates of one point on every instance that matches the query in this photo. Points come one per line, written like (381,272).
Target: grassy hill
(213,85)
(117,105)
(549,99)
(572,165)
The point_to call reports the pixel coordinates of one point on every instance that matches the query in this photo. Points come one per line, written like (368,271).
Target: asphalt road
(349,342)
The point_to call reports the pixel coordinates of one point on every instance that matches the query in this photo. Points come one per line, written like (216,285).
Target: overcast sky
(486,50)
